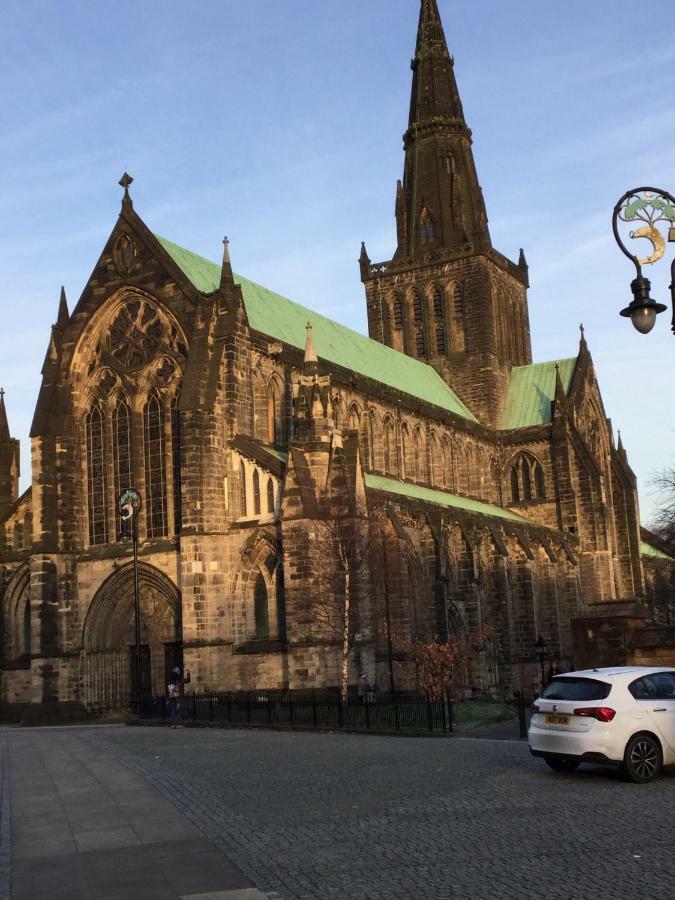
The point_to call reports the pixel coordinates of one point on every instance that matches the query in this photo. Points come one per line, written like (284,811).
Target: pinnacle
(4,425)
(63,314)
(311,359)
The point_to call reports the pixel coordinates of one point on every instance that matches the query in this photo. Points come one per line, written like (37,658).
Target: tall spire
(4,425)
(439,205)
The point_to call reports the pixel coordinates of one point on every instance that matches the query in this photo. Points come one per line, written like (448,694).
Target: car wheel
(562,763)
(642,760)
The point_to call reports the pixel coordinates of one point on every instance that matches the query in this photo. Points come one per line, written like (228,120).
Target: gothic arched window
(515,486)
(273,414)
(418,461)
(270,495)
(420,349)
(438,303)
(256,493)
(175,465)
(426,226)
(398,311)
(527,479)
(418,309)
(261,608)
(539,482)
(96,477)
(405,450)
(448,479)
(243,504)
(458,312)
(440,340)
(122,455)
(155,467)
(387,446)
(371,439)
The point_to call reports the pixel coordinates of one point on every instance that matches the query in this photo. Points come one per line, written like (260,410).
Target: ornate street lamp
(540,650)
(129,505)
(649,206)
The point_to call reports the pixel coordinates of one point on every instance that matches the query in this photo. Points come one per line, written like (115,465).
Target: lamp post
(540,649)
(649,206)
(129,504)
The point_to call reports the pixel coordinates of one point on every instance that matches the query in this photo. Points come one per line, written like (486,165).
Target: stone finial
(226,275)
(125,182)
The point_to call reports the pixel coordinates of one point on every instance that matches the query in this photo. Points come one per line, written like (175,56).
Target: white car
(621,716)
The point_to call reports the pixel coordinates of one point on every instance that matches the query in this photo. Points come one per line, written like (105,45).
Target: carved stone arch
(16,637)
(107,623)
(354,415)
(260,568)
(108,659)
(126,333)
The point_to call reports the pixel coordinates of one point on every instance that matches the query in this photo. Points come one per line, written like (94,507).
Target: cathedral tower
(447,296)
(9,462)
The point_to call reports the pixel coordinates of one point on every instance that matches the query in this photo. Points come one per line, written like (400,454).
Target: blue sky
(279,123)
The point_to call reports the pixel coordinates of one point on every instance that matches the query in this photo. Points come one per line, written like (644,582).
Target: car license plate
(557,720)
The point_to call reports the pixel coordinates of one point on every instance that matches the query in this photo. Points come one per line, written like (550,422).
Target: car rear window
(569,688)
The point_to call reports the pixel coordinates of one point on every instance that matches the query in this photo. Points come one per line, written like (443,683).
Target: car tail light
(535,708)
(601,713)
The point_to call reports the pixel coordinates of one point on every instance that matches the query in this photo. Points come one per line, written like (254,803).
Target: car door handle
(661,709)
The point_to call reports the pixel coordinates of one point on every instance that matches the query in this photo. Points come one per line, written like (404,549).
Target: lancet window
(527,479)
(256,493)
(261,608)
(155,463)
(243,504)
(270,495)
(97,489)
(122,454)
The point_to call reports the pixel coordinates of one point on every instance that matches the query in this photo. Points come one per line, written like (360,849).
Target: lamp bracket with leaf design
(652,207)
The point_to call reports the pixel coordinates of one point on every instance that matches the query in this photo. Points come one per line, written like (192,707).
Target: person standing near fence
(175,690)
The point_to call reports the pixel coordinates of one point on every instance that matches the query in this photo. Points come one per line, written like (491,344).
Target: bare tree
(664,518)
(337,605)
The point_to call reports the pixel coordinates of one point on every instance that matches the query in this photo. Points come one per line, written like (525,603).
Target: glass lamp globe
(643,319)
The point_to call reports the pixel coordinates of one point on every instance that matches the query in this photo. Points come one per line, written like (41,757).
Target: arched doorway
(108,670)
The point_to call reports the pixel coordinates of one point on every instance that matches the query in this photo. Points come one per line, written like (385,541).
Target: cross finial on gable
(125,182)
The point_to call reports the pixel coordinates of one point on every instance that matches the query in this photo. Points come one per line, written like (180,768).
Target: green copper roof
(283,320)
(647,550)
(531,391)
(441,498)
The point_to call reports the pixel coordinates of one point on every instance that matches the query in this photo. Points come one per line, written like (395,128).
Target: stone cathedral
(487,489)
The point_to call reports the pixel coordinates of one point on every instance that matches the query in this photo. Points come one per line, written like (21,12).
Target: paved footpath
(84,826)
(325,817)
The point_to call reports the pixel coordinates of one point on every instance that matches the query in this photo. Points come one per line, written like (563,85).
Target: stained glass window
(155,478)
(122,454)
(96,480)
(270,495)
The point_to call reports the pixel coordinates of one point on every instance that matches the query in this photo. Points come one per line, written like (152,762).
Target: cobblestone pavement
(313,816)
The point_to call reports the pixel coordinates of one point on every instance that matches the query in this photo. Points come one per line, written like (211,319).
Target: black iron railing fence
(308,710)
